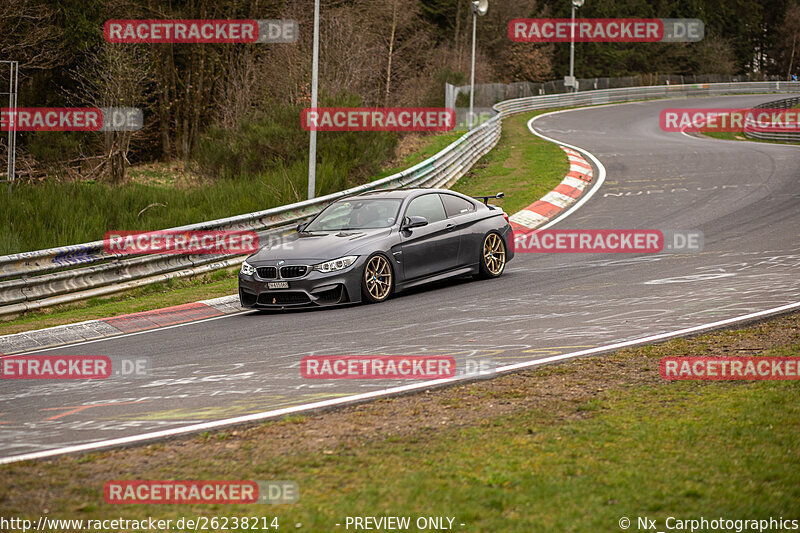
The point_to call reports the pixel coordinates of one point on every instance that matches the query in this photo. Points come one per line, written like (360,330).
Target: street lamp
(570,81)
(312,143)
(479,7)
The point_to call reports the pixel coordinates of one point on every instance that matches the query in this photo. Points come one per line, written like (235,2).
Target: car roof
(402,193)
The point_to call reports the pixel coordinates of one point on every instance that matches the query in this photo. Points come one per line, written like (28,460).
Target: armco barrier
(752,130)
(42,278)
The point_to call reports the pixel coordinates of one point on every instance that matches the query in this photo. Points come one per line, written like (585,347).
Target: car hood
(317,246)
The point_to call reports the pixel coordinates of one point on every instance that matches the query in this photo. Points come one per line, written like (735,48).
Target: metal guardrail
(37,279)
(753,131)
(42,278)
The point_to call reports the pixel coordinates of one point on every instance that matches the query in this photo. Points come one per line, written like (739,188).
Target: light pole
(479,7)
(312,143)
(575,4)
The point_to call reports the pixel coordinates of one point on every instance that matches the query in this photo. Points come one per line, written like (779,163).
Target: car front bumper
(315,289)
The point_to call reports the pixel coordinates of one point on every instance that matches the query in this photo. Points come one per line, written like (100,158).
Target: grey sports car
(365,247)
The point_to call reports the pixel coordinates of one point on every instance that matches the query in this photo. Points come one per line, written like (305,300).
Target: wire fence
(488,94)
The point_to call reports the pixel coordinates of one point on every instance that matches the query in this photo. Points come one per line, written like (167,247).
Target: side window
(428,206)
(455,205)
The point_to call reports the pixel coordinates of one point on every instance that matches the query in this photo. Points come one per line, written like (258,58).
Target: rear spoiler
(487,198)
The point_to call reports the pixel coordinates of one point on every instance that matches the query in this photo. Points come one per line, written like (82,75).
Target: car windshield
(357,213)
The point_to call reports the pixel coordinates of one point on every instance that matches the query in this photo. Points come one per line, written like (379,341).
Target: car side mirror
(415,222)
(301,227)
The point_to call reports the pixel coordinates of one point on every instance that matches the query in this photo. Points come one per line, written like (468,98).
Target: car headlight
(247,269)
(336,264)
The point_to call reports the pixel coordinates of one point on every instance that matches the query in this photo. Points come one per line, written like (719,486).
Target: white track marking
(257,417)
(596,183)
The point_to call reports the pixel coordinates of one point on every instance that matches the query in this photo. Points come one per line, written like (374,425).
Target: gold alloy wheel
(378,278)
(494,254)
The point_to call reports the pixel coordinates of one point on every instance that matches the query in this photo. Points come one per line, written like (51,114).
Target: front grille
(293,271)
(267,272)
(283,298)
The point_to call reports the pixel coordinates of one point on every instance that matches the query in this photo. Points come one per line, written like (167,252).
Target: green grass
(159,196)
(727,135)
(636,446)
(740,136)
(52,214)
(522,166)
(715,450)
(720,452)
(429,145)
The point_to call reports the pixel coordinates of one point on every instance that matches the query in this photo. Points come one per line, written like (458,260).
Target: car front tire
(377,279)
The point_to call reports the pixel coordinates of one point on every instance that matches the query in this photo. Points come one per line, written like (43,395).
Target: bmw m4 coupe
(369,246)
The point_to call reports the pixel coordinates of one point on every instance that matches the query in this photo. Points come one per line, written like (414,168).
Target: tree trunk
(391,50)
(457,36)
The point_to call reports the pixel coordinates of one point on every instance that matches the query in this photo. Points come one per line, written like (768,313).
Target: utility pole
(312,143)
(479,7)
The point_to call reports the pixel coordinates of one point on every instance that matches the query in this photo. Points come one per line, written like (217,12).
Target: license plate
(278,285)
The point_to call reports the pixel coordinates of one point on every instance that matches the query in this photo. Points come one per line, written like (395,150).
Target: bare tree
(789,39)
(288,67)
(29,34)
(715,56)
(114,76)
(241,88)
(525,62)
(404,38)
(392,34)
(350,57)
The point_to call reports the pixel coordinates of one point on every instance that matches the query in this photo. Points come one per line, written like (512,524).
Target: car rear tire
(377,279)
(493,256)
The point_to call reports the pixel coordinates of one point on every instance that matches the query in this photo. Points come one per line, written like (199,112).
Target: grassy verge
(522,166)
(740,136)
(573,447)
(418,149)
(727,135)
(162,195)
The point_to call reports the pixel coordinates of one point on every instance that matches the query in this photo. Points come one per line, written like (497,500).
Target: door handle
(450,227)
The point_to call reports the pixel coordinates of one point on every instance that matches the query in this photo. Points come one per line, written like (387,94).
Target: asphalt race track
(744,197)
